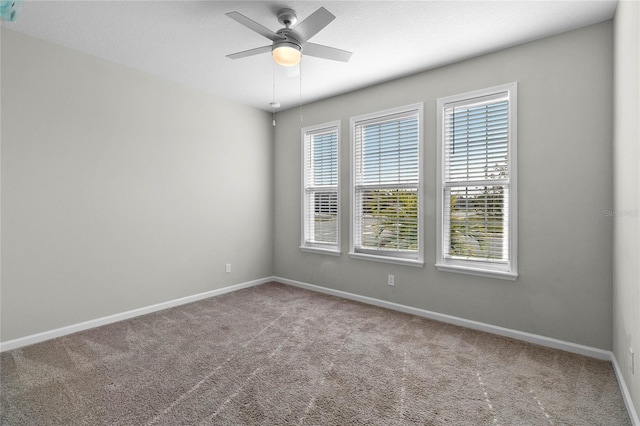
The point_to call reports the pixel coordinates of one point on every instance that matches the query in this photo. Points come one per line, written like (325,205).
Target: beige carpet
(279,355)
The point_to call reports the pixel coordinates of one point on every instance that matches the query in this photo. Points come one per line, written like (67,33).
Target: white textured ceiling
(186,41)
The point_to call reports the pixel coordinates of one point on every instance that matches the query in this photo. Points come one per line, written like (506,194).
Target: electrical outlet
(227,268)
(633,360)
(391,280)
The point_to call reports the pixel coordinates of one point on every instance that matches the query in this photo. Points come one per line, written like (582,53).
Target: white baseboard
(74,328)
(475,325)
(633,413)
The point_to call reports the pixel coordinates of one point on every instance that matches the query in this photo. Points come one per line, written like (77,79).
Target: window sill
(317,250)
(387,259)
(502,275)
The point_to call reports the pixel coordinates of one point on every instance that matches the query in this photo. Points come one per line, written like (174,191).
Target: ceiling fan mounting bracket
(287,17)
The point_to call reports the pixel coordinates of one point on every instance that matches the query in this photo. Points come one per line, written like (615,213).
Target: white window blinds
(320,191)
(477,180)
(386,175)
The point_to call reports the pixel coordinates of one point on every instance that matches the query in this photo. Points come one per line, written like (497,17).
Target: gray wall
(565,178)
(626,221)
(121,190)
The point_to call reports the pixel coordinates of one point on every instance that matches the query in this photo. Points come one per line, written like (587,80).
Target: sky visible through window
(390,152)
(479,142)
(325,159)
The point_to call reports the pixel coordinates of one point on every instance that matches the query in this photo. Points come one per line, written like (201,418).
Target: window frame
(508,271)
(381,256)
(307,245)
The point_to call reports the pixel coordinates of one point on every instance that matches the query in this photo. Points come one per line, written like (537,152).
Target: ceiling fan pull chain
(300,89)
(274,104)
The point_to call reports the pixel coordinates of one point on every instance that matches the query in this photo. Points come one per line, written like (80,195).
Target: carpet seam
(188,393)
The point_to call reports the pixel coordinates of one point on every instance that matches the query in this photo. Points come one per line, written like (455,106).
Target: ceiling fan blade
(250,52)
(325,52)
(253,25)
(312,24)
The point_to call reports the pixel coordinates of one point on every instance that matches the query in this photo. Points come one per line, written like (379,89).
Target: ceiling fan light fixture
(286,54)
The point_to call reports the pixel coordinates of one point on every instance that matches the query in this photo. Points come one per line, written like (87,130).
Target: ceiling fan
(289,43)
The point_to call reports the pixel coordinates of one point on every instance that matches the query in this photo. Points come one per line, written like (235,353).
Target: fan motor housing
(288,39)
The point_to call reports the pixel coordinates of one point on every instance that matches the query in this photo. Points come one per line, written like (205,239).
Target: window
(476,188)
(321,197)
(387,192)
